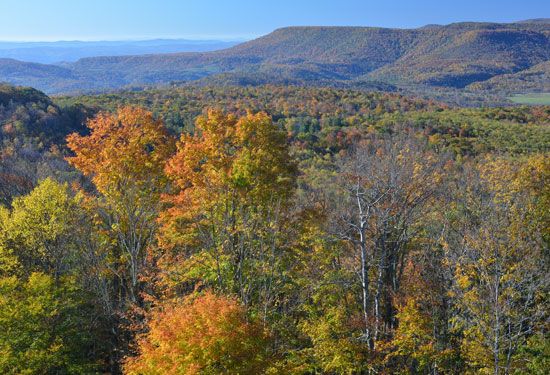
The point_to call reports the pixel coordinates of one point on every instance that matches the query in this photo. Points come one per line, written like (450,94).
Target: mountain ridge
(457,55)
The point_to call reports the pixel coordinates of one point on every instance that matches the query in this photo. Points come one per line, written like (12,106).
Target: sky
(49,20)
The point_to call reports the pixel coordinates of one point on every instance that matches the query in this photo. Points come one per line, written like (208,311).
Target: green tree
(44,327)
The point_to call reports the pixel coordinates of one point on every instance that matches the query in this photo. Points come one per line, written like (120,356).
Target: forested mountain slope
(536,78)
(454,55)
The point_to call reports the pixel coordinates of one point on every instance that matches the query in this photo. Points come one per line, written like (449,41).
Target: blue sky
(234,19)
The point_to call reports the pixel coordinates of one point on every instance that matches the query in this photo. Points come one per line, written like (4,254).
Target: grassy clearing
(532,99)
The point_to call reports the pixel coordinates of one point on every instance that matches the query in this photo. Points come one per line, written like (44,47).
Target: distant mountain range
(477,56)
(70,51)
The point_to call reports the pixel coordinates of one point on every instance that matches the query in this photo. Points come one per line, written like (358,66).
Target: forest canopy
(276,230)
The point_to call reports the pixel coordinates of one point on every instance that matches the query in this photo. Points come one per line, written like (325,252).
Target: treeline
(284,243)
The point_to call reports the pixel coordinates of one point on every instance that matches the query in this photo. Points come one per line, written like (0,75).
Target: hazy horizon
(130,40)
(70,51)
(212,38)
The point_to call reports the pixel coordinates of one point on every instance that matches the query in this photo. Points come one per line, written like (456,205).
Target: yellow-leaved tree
(226,220)
(46,322)
(500,281)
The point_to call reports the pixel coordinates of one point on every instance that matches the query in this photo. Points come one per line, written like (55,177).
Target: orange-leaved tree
(124,155)
(208,334)
(124,149)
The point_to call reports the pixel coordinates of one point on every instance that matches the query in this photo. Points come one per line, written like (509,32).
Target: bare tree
(386,186)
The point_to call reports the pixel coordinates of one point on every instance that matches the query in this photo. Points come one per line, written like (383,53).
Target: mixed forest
(272,230)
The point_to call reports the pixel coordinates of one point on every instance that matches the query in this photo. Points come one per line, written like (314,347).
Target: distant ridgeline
(510,58)
(70,51)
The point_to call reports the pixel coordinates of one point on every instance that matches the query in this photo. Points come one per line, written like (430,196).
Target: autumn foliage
(246,158)
(336,233)
(129,145)
(208,334)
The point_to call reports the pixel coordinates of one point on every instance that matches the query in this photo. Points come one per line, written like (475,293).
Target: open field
(532,99)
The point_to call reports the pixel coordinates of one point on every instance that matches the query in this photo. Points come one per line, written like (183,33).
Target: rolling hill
(454,56)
